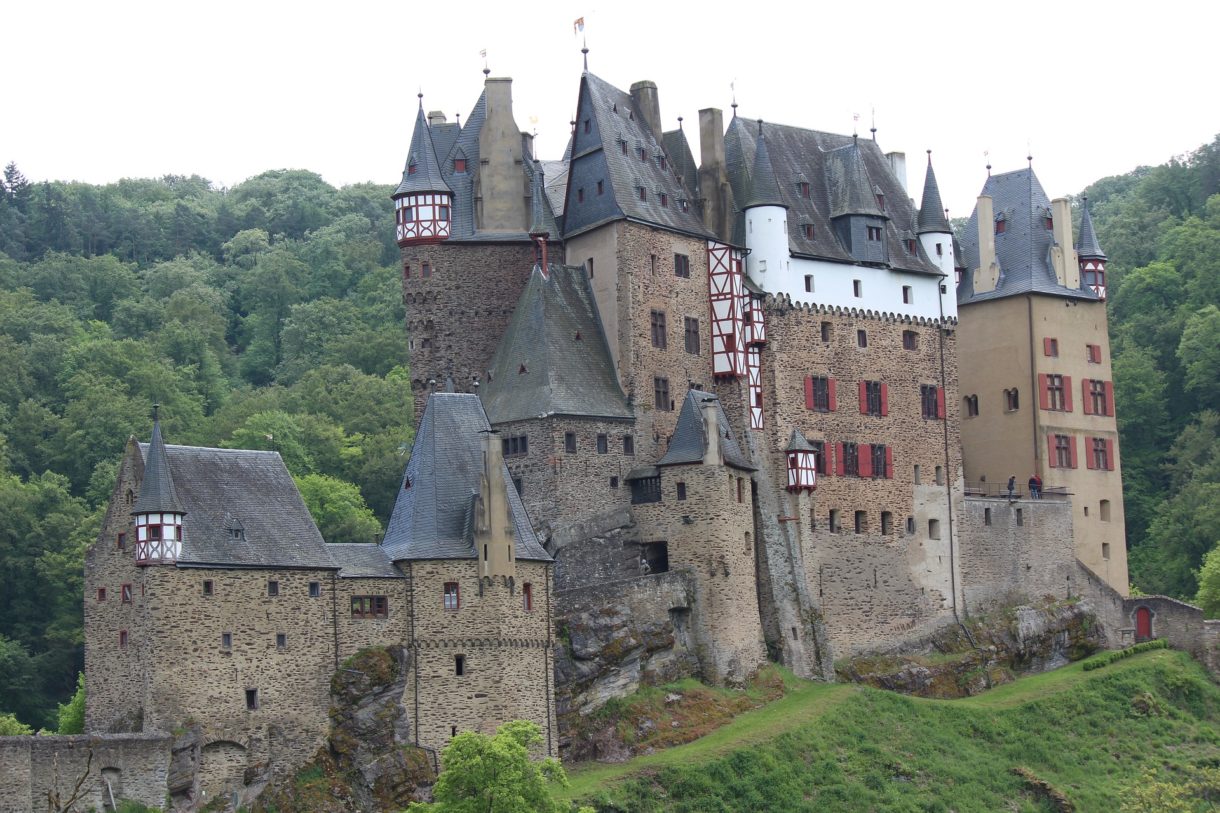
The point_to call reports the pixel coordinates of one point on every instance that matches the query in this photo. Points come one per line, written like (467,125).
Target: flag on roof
(578,26)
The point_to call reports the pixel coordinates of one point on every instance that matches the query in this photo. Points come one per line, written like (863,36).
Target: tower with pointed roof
(423,202)
(158,513)
(932,226)
(1038,381)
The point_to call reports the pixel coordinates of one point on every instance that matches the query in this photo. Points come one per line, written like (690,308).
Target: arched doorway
(1143,624)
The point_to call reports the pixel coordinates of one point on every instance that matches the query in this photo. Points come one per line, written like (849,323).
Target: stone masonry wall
(356,633)
(507,669)
(1015,551)
(882,582)
(456,316)
(711,533)
(604,548)
(136,766)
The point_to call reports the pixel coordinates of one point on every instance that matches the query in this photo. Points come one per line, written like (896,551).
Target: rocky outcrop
(368,763)
(959,661)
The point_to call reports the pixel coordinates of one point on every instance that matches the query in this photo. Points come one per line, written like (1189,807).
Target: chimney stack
(648,102)
(713,174)
(435,117)
(711,425)
(501,203)
(987,274)
(1063,255)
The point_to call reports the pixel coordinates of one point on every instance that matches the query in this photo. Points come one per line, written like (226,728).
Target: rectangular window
(273,588)
(1063,451)
(125,593)
(645,490)
(370,607)
(622,145)
(907,295)
(580,195)
(515,446)
(910,340)
(603,444)
(652,263)
(628,445)
(972,406)
(862,338)
(880,460)
(681,265)
(739,489)
(122,639)
(643,193)
(834,520)
(691,333)
(281,640)
(1092,353)
(101,594)
(887,523)
(850,459)
(426,270)
(444,214)
(861,522)
(569,442)
(803,189)
(527,597)
(589,265)
(826,329)
(660,394)
(809,283)
(1097,396)
(872,398)
(931,401)
(1012,401)
(459,665)
(910,246)
(1050,347)
(874,234)
(819,394)
(315,590)
(664,201)
(857,288)
(1056,397)
(657,322)
(251,699)
(587,126)
(207,587)
(1001,226)
(459,164)
(452,598)
(810,232)
(681,489)
(226,640)
(120,541)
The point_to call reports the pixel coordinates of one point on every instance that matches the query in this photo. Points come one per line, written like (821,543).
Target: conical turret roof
(157,493)
(764,189)
(1087,245)
(931,210)
(798,443)
(427,175)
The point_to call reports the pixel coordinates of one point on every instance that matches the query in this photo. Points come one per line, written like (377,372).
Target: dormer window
(623,146)
(683,204)
(643,193)
(664,200)
(910,244)
(874,233)
(880,201)
(661,159)
(1049,222)
(411,168)
(803,189)
(643,154)
(459,164)
(1001,226)
(809,231)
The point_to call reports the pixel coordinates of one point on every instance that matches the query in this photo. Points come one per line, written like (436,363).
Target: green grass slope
(1084,736)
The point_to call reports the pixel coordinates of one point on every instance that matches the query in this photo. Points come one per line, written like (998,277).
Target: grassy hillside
(1092,737)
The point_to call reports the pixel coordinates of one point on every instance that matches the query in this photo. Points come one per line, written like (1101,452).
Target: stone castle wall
(131,766)
(356,633)
(507,663)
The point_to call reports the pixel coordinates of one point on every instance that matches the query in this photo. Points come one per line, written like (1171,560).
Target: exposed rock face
(954,663)
(368,763)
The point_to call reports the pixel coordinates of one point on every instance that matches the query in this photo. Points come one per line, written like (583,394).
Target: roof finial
(929,157)
(457,118)
(733,90)
(584,49)
(760,134)
(855,124)
(157,407)
(987,156)
(421,98)
(679,122)
(486,69)
(873,128)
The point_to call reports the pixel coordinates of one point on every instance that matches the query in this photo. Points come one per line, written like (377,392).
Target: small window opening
(940,475)
(315,589)
(281,640)
(251,699)
(681,491)
(569,442)
(1020,517)
(857,288)
(226,640)
(122,639)
(887,523)
(918,479)
(459,665)
(207,587)
(986,516)
(834,520)
(934,529)
(861,522)
(910,525)
(603,444)
(273,588)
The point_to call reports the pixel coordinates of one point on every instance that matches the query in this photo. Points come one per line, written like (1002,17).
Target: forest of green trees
(270,316)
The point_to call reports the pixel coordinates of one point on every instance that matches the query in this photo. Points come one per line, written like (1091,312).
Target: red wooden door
(1143,624)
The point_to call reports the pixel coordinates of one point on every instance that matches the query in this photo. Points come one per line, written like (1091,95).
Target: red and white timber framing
(724,274)
(1093,272)
(754,381)
(422,217)
(802,472)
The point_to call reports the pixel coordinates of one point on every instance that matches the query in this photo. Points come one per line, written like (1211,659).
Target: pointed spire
(538,220)
(1087,246)
(423,171)
(157,493)
(932,217)
(584,50)
(764,189)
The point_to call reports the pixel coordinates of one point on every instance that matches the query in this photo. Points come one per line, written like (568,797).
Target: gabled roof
(614,121)
(798,443)
(689,441)
(434,515)
(422,157)
(931,209)
(541,367)
(157,492)
(363,561)
(683,160)
(1086,244)
(1023,250)
(223,489)
(801,156)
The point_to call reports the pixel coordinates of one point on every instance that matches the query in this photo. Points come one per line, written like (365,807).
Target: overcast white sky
(100,91)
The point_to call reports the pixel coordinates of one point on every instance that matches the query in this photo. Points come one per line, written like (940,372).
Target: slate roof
(1086,244)
(598,155)
(764,189)
(222,487)
(157,492)
(363,561)
(689,441)
(847,181)
(1023,250)
(427,176)
(801,155)
(678,150)
(433,517)
(798,443)
(562,375)
(931,209)
(542,220)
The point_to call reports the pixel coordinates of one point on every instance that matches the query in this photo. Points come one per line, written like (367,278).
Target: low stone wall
(615,637)
(36,769)
(1211,646)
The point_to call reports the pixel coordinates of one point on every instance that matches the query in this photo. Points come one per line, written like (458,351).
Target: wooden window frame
(370,606)
(603,443)
(527,597)
(569,442)
(660,393)
(691,335)
(126,595)
(451,599)
(682,265)
(657,323)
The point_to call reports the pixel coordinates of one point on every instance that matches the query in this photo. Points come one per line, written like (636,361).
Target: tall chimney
(494,531)
(898,165)
(713,175)
(1063,255)
(711,425)
(501,181)
(436,117)
(644,94)
(987,275)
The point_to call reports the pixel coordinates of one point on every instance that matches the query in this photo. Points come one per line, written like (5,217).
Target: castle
(738,404)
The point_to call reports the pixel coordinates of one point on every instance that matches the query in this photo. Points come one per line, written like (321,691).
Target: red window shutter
(1044,395)
(885,399)
(863,387)
(831,390)
(1086,400)
(808,392)
(889,462)
(1089,456)
(1052,459)
(839,459)
(1067,393)
(1109,397)
(940,402)
(1072,449)
(828,450)
(1110,460)
(866,460)
(1046,347)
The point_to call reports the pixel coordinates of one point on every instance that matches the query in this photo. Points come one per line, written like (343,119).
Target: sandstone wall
(508,672)
(356,633)
(136,767)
